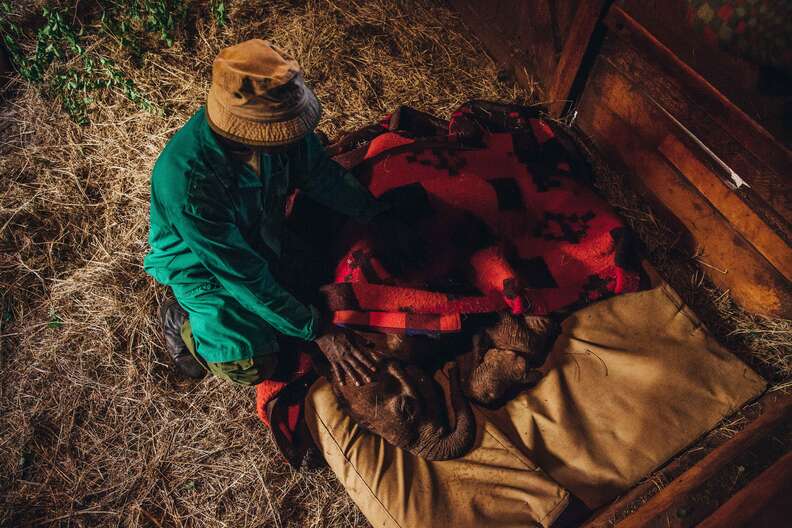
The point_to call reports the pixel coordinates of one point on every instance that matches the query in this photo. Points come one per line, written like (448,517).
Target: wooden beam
(586,18)
(722,66)
(663,508)
(765,501)
(735,210)
(627,127)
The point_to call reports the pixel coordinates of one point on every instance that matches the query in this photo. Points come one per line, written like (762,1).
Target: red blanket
(497,202)
(505,212)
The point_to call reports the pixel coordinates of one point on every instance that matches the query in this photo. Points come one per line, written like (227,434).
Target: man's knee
(248,372)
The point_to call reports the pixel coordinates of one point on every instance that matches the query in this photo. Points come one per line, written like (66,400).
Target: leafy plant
(130,21)
(54,320)
(65,70)
(219,12)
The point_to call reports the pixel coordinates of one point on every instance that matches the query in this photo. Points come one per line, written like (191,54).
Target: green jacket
(213,218)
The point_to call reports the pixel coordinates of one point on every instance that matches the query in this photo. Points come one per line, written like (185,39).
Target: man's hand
(345,358)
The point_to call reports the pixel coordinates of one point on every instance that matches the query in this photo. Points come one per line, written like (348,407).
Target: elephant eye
(408,408)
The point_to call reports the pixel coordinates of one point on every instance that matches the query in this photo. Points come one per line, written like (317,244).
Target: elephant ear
(511,333)
(530,335)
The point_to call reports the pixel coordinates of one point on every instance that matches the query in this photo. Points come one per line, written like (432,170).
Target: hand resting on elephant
(500,362)
(402,403)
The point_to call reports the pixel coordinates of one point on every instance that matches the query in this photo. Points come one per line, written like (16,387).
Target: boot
(172,317)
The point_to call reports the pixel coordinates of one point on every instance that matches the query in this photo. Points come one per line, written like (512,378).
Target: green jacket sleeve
(332,185)
(210,232)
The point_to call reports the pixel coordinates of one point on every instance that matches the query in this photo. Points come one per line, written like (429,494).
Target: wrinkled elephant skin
(499,364)
(404,405)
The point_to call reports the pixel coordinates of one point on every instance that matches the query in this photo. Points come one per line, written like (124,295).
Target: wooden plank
(629,129)
(663,508)
(586,18)
(744,145)
(718,193)
(610,514)
(765,501)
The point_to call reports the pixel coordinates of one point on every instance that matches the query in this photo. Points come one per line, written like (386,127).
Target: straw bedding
(95,429)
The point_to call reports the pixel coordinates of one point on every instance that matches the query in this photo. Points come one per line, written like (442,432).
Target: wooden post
(586,18)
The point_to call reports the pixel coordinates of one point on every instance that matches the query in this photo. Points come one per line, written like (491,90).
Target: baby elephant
(499,364)
(403,404)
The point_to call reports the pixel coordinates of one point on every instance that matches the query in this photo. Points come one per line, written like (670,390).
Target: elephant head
(499,364)
(404,405)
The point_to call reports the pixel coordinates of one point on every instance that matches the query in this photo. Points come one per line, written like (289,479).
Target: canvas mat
(631,381)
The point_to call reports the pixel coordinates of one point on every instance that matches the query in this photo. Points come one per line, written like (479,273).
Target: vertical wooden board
(563,13)
(585,20)
(619,120)
(539,37)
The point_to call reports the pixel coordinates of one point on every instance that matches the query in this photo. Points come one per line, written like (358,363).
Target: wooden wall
(699,157)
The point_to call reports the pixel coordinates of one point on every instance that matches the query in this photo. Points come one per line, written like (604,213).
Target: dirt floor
(95,429)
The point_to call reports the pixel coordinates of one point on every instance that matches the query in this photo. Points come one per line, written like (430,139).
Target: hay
(95,430)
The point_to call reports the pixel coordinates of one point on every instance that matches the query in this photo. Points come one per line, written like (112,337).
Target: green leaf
(55,321)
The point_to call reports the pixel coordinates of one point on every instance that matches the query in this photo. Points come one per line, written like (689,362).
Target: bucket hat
(258,96)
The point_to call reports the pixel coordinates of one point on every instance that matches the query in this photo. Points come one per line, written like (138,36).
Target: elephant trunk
(458,440)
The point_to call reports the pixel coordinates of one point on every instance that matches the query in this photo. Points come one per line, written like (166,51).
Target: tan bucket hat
(258,96)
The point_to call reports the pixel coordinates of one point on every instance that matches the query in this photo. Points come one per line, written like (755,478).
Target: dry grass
(95,430)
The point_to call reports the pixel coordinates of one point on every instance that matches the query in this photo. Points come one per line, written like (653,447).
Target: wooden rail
(765,501)
(613,513)
(669,506)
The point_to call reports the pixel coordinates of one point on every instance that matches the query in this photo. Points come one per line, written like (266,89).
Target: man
(218,200)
